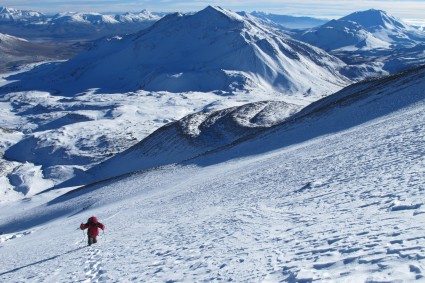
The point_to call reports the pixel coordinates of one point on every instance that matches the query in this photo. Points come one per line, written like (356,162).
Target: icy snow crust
(335,195)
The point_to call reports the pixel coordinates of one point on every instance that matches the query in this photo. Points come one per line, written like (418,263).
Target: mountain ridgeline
(191,136)
(72,25)
(212,50)
(371,29)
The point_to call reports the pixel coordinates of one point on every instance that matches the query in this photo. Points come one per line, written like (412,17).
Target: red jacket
(93,227)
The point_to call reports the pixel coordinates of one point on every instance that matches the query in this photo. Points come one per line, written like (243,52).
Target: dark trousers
(92,240)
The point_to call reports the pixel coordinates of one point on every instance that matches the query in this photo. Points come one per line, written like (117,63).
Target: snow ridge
(190,136)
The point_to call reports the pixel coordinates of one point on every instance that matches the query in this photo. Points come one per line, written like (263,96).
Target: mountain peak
(374,19)
(212,50)
(11,14)
(4,10)
(218,14)
(214,9)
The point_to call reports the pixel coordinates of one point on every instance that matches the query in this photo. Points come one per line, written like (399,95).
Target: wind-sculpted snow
(212,50)
(191,136)
(335,195)
(347,108)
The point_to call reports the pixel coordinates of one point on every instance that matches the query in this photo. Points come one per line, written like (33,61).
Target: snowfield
(68,135)
(335,195)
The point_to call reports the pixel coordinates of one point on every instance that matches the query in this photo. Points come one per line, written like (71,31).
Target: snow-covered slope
(143,16)
(214,49)
(67,135)
(16,51)
(193,135)
(9,43)
(336,195)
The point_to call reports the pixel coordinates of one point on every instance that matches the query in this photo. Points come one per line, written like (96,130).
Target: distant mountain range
(69,25)
(72,25)
(212,50)
(14,15)
(290,22)
(371,42)
(31,17)
(365,30)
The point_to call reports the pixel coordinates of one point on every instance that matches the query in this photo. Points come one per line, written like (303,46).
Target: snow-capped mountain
(371,29)
(211,50)
(144,15)
(290,22)
(14,15)
(28,17)
(341,34)
(416,23)
(334,195)
(84,18)
(386,27)
(371,42)
(191,136)
(72,25)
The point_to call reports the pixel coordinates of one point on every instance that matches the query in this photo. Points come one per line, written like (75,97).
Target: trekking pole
(84,236)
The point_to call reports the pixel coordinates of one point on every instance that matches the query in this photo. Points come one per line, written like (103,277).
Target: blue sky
(317,8)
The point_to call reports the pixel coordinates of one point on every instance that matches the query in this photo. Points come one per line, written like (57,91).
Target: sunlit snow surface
(70,134)
(336,197)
